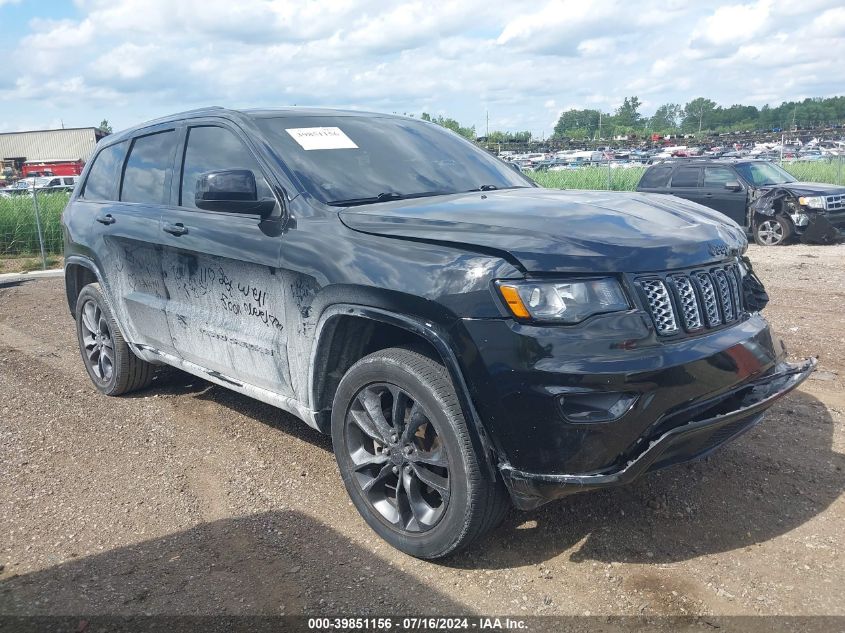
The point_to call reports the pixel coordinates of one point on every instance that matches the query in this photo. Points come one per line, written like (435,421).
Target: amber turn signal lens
(514,302)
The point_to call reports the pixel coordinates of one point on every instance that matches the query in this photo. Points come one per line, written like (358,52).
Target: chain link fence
(30,225)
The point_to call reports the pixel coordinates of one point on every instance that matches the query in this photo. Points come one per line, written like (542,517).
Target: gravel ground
(186,498)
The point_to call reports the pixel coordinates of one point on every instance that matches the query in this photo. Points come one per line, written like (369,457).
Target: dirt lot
(187,498)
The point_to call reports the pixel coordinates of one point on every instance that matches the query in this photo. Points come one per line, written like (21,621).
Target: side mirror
(733,185)
(231,190)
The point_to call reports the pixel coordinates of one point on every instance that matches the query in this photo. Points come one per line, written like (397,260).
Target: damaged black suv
(758,195)
(468,339)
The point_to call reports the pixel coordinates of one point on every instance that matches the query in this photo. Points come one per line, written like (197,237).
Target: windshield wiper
(382,197)
(495,188)
(386,197)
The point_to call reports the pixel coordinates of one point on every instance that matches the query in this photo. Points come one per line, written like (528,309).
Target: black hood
(808,188)
(549,230)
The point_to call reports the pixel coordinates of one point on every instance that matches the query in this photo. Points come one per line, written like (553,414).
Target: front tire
(406,457)
(112,366)
(772,230)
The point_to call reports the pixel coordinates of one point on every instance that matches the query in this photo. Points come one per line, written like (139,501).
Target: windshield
(347,160)
(762,174)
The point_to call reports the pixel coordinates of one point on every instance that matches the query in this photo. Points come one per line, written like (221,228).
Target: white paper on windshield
(321,138)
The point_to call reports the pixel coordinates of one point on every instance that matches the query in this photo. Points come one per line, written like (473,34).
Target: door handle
(175,229)
(708,195)
(106,219)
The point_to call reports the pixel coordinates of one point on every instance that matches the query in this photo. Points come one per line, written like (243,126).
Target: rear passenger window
(67,181)
(148,169)
(686,177)
(656,176)
(101,183)
(718,176)
(212,148)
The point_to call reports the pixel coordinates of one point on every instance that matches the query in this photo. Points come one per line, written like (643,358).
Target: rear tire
(406,457)
(112,366)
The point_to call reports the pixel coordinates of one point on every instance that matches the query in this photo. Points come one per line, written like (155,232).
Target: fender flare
(85,262)
(430,332)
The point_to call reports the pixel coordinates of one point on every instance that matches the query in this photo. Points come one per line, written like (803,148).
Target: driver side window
(718,176)
(209,148)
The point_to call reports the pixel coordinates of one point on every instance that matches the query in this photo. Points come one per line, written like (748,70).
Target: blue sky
(523,62)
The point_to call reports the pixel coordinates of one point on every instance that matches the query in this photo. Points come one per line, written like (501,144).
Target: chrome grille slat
(688,302)
(660,306)
(724,294)
(735,280)
(708,295)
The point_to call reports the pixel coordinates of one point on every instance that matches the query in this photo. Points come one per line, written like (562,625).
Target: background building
(51,150)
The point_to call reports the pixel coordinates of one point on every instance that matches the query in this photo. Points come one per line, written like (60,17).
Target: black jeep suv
(758,195)
(467,338)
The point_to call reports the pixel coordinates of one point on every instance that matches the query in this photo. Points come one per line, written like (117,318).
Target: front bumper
(822,228)
(722,420)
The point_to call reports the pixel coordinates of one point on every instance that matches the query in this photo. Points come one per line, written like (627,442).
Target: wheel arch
(372,329)
(79,272)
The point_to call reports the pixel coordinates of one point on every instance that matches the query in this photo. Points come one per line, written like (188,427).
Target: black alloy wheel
(399,459)
(408,458)
(97,341)
(111,364)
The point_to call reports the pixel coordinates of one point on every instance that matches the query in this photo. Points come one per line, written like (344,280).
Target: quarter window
(101,183)
(211,148)
(686,177)
(656,176)
(146,176)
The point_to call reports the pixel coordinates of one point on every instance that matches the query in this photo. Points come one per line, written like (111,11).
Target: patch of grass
(18,228)
(590,177)
(627,178)
(28,264)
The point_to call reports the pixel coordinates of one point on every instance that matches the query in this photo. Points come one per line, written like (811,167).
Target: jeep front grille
(693,300)
(835,203)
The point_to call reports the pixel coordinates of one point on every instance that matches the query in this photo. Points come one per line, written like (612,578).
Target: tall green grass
(590,177)
(831,171)
(18,228)
(626,179)
(19,237)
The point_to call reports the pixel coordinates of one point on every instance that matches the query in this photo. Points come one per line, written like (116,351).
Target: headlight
(814,202)
(562,302)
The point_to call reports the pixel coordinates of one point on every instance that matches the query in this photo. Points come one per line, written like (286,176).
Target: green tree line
(469,132)
(698,115)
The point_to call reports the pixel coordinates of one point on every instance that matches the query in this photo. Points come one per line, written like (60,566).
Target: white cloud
(130,60)
(732,25)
